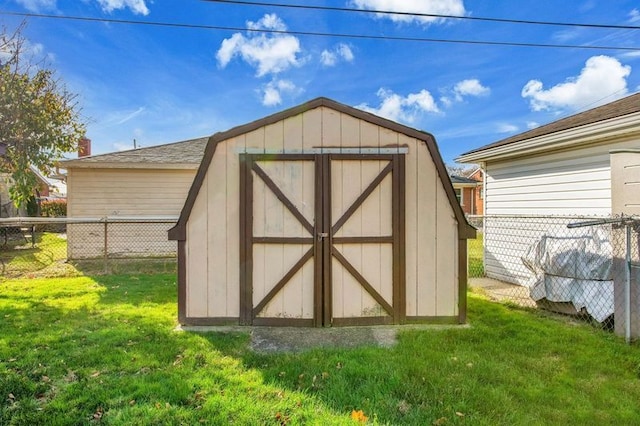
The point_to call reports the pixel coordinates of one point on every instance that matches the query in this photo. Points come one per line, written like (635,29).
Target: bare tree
(462,170)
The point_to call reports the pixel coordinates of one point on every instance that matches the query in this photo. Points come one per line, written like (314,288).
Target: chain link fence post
(106,245)
(93,245)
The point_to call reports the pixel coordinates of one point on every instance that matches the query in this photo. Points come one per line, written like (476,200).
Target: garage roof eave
(128,165)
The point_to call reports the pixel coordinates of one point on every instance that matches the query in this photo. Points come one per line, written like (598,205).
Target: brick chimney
(84,147)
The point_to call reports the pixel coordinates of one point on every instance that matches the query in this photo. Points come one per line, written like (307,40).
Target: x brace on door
(321,234)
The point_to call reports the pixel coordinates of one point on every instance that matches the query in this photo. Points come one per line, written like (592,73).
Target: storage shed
(321,215)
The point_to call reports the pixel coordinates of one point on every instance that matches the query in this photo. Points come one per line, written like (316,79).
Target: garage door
(322,239)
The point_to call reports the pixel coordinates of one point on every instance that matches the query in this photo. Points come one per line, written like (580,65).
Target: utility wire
(427,15)
(316,34)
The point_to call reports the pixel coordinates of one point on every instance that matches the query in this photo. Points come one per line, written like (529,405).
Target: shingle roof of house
(184,152)
(462,180)
(619,108)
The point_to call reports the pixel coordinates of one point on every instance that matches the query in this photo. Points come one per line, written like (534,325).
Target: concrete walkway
(503,292)
(297,339)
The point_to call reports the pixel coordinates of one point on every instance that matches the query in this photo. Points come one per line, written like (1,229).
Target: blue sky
(163,84)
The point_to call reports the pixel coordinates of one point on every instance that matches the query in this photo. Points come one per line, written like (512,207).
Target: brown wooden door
(323,239)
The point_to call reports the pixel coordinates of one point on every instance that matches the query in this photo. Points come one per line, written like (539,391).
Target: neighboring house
(150,182)
(49,187)
(468,192)
(321,215)
(562,168)
(7,208)
(478,192)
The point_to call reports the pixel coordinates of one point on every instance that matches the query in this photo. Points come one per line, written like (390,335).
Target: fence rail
(31,245)
(592,272)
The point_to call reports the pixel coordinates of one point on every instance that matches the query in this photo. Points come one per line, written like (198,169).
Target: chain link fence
(55,247)
(587,267)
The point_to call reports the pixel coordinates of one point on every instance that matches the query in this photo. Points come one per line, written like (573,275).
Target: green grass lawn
(103,349)
(476,256)
(47,258)
(19,257)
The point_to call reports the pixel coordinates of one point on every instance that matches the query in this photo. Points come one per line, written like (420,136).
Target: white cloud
(532,125)
(399,108)
(601,77)
(268,22)
(131,115)
(634,15)
(462,89)
(566,36)
(268,53)
(507,128)
(38,5)
(435,7)
(446,101)
(330,58)
(137,6)
(345,52)
(272,92)
(470,87)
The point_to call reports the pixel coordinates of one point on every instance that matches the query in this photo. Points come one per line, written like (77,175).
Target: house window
(482,192)
(458,194)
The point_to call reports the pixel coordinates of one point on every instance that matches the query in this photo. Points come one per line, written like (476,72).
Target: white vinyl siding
(574,182)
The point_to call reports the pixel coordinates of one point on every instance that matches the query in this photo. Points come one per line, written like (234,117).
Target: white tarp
(574,269)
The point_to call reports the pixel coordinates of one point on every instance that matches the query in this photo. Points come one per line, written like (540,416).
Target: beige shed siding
(272,219)
(431,272)
(96,193)
(447,256)
(212,251)
(571,182)
(372,218)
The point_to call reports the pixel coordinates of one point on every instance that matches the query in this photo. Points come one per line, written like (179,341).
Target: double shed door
(322,239)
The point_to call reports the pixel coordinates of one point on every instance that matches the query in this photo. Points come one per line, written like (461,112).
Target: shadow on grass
(138,289)
(141,266)
(19,256)
(512,366)
(104,348)
(47,258)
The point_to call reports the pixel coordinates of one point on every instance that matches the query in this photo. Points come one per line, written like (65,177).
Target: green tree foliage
(53,208)
(39,118)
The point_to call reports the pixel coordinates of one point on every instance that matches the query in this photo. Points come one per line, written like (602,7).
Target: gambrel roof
(179,231)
